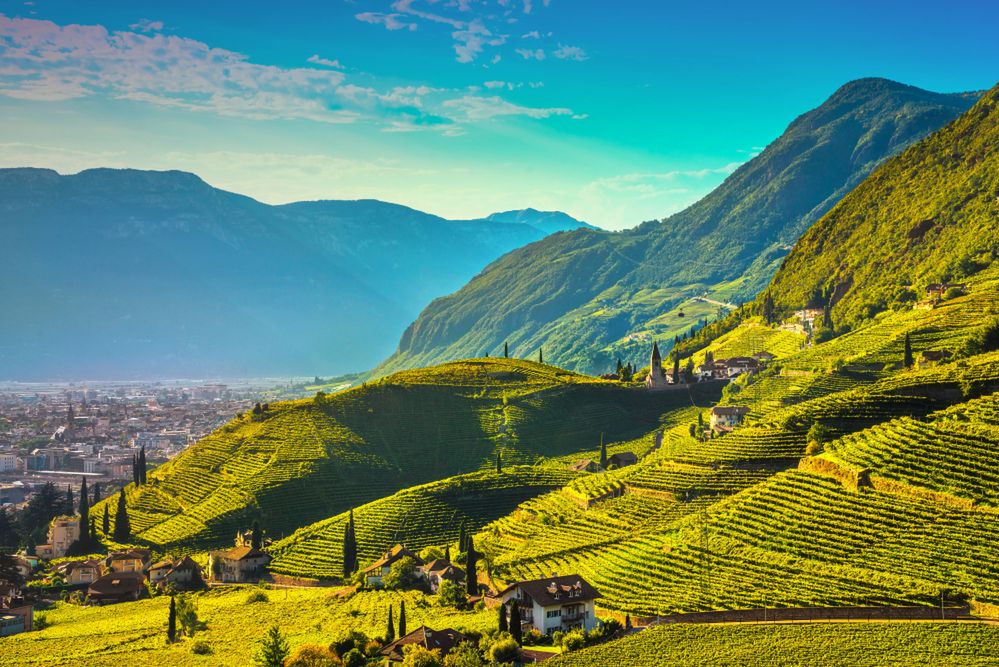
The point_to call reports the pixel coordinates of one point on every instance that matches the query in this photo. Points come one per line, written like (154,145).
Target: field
(304,461)
(134,633)
(831,644)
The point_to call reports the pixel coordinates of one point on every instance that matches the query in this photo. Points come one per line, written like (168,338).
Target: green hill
(589,297)
(303,461)
(926,216)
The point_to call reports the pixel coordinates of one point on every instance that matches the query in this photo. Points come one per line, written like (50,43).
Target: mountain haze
(126,273)
(589,296)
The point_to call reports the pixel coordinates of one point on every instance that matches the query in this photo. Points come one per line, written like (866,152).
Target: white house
(727,416)
(556,603)
(374,573)
(63,531)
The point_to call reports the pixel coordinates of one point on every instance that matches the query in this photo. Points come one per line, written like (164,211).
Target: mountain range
(126,273)
(589,296)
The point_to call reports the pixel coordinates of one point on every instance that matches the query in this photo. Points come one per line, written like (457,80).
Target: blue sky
(616,112)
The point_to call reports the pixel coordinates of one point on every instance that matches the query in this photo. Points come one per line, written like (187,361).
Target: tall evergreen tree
(172,621)
(390,628)
(96,494)
(603,452)
(541,356)
(516,628)
(349,547)
(92,532)
(402,619)
(447,552)
(84,510)
(122,527)
(69,505)
(471,576)
(142,465)
(499,463)
(907,360)
(506,350)
(106,523)
(256,538)
(273,649)
(676,368)
(503,627)
(135,469)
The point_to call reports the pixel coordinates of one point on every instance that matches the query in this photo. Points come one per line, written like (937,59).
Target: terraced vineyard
(432,514)
(834,644)
(305,461)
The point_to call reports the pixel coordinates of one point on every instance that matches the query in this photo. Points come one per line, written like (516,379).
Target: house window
(555,613)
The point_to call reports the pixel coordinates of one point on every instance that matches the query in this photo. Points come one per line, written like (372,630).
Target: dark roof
(117,584)
(622,457)
(441,640)
(141,554)
(729,410)
(391,556)
(241,553)
(543,591)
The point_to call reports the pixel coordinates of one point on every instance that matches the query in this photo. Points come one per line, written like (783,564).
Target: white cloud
(534,34)
(43,61)
(531,54)
(564,52)
(146,25)
(315,59)
(655,185)
(390,21)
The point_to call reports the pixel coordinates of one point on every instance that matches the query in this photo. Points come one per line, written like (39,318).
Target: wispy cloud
(653,185)
(147,25)
(564,52)
(41,60)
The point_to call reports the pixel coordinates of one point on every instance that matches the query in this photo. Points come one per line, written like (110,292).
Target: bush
(401,575)
(201,648)
(257,596)
(573,641)
(415,655)
(353,658)
(953,293)
(464,654)
(312,655)
(353,640)
(505,650)
(452,595)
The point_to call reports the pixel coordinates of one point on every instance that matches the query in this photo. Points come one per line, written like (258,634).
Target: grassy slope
(846,644)
(308,460)
(134,633)
(924,216)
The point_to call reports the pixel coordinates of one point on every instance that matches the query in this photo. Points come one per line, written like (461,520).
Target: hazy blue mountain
(589,296)
(125,273)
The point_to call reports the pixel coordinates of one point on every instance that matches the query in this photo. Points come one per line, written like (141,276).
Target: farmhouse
(132,560)
(439,640)
(585,465)
(441,570)
(553,604)
(373,573)
(239,565)
(622,459)
(117,587)
(183,573)
(741,365)
(724,417)
(82,571)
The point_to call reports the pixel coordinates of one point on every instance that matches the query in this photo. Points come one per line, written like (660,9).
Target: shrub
(505,650)
(415,655)
(452,595)
(353,658)
(401,575)
(256,596)
(573,641)
(464,654)
(201,647)
(312,655)
(953,293)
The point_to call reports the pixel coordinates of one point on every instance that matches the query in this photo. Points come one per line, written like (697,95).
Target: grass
(134,633)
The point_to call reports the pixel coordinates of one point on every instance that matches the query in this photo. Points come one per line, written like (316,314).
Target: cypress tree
(541,356)
(402,618)
(627,622)
(92,535)
(676,368)
(471,577)
(256,540)
(135,470)
(172,621)
(70,504)
(142,465)
(506,350)
(97,494)
(390,629)
(603,452)
(84,510)
(106,525)
(447,552)
(349,547)
(503,627)
(908,360)
(499,463)
(516,628)
(122,527)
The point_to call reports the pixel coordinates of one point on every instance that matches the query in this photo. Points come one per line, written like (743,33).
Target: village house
(741,365)
(937,290)
(930,357)
(82,571)
(239,565)
(726,417)
(16,615)
(117,587)
(554,604)
(63,531)
(585,465)
(132,560)
(374,573)
(432,640)
(441,570)
(622,459)
(807,316)
(183,573)
(764,357)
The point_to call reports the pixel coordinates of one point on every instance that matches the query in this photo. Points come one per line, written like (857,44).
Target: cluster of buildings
(434,572)
(712,369)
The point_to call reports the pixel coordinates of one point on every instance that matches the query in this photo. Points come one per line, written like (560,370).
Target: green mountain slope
(926,216)
(588,296)
(307,460)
